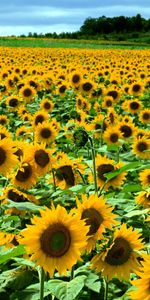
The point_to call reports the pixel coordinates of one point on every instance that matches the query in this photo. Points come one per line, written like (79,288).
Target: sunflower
(112,116)
(9,240)
(97,215)
(86,87)
(104,165)
(66,172)
(45,132)
(15,195)
(43,159)
(141,147)
(127,129)
(13,102)
(4,133)
(3,120)
(25,176)
(8,159)
(121,256)
(136,88)
(3,89)
(46,105)
(144,177)
(76,78)
(144,116)
(23,132)
(143,199)
(114,93)
(62,88)
(108,101)
(142,284)
(133,106)
(39,117)
(54,240)
(112,135)
(27,93)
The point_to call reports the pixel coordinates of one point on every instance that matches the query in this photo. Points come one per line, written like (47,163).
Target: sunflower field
(74,174)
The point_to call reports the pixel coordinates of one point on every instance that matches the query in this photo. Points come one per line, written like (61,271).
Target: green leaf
(136,212)
(93,283)
(127,167)
(132,188)
(67,290)
(12,252)
(23,206)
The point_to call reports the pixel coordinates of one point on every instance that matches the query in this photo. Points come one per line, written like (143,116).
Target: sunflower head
(57,241)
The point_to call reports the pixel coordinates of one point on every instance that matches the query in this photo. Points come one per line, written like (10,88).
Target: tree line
(95,27)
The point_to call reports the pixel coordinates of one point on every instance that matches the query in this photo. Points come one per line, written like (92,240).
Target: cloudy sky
(42,16)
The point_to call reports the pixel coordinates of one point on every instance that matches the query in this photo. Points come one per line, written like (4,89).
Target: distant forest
(96,27)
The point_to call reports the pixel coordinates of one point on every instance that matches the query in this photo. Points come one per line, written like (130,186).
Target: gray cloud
(17,17)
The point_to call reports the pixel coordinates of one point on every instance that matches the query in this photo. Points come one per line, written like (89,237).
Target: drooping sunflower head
(120,257)
(15,195)
(58,243)
(4,133)
(143,198)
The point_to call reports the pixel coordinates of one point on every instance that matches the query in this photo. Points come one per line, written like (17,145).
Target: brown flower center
(87,86)
(134,105)
(76,78)
(62,89)
(55,240)
(103,169)
(24,175)
(114,137)
(47,105)
(13,102)
(93,219)
(108,103)
(136,88)
(142,146)
(46,133)
(126,130)
(41,158)
(66,173)
(113,94)
(14,196)
(27,92)
(2,156)
(146,116)
(39,119)
(119,253)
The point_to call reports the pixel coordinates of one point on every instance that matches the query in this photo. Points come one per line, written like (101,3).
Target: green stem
(72,273)
(54,181)
(42,276)
(106,289)
(94,164)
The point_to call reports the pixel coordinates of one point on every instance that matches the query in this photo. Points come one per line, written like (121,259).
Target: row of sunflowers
(74,174)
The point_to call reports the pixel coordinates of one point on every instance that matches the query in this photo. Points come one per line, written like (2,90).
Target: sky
(42,16)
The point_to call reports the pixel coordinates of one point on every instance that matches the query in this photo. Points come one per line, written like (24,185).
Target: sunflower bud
(80,137)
